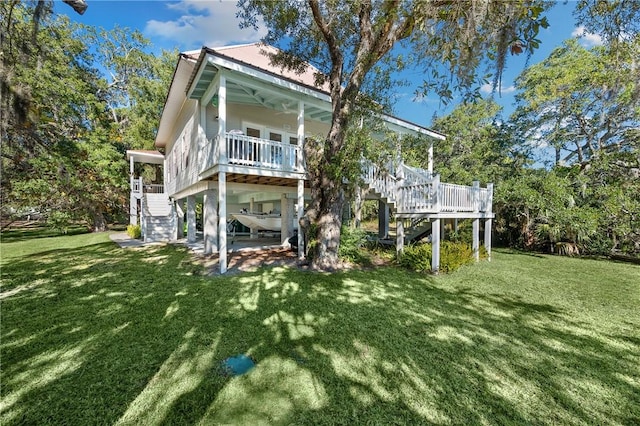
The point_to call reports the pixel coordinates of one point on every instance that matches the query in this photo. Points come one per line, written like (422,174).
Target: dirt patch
(251,260)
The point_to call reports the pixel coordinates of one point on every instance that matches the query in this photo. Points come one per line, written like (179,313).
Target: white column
(399,237)
(299,217)
(222,221)
(435,246)
(210,221)
(430,159)
(300,165)
(383,219)
(222,119)
(133,201)
(300,135)
(487,237)
(475,245)
(191,218)
(399,204)
(287,217)
(253,231)
(179,219)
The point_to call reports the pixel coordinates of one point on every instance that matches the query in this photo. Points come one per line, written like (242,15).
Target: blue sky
(190,24)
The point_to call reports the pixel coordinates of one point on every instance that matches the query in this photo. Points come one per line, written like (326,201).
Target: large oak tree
(354,42)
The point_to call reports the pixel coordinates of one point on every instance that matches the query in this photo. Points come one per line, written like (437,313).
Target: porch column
(179,219)
(222,221)
(222,120)
(430,159)
(475,246)
(399,204)
(286,216)
(300,168)
(210,221)
(253,231)
(191,218)
(133,201)
(487,237)
(383,219)
(399,237)
(435,246)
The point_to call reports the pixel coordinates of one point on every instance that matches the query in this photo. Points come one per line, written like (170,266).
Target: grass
(95,334)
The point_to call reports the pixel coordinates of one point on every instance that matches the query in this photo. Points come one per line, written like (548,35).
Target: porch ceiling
(258,94)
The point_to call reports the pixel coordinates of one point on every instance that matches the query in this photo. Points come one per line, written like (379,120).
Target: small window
(276,137)
(255,133)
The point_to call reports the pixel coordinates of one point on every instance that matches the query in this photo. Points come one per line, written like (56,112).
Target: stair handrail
(381,180)
(416,174)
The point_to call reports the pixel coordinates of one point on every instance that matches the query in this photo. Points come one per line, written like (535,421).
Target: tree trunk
(99,222)
(323,219)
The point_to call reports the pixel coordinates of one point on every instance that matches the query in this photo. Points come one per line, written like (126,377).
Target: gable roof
(193,75)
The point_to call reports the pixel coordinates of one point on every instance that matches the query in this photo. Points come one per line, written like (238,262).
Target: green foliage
(59,221)
(352,241)
(453,255)
(417,257)
(134,231)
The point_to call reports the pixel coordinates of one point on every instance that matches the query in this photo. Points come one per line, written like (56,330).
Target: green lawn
(94,334)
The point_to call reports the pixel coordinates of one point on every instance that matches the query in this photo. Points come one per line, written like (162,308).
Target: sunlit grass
(92,333)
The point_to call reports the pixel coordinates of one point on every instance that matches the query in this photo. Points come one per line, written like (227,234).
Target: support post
(133,200)
(222,120)
(253,232)
(191,218)
(476,239)
(383,219)
(435,246)
(299,217)
(210,221)
(179,219)
(399,204)
(487,237)
(222,221)
(300,167)
(286,216)
(430,159)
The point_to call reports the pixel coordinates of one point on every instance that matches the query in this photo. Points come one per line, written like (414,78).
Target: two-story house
(232,132)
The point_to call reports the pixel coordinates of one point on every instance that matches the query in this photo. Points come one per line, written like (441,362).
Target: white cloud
(488,88)
(208,23)
(587,39)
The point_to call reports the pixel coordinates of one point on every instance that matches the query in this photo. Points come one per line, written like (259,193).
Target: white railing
(139,187)
(459,198)
(418,198)
(153,188)
(381,180)
(255,152)
(136,186)
(416,175)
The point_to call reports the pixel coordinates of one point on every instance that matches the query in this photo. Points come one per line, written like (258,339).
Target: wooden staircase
(157,220)
(418,195)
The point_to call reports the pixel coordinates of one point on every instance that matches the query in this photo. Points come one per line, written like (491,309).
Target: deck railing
(253,152)
(417,191)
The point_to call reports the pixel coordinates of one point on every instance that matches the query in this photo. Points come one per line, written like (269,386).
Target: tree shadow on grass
(105,335)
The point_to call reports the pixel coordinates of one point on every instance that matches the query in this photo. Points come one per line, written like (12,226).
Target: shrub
(417,257)
(59,221)
(452,256)
(352,240)
(134,231)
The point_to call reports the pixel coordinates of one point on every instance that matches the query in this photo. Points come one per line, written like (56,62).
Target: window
(276,137)
(253,132)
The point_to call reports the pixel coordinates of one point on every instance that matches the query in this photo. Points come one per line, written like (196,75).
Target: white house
(232,131)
